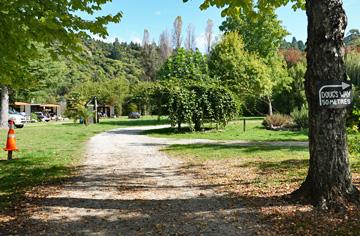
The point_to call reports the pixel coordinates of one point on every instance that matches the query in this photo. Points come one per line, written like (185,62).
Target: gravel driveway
(128,187)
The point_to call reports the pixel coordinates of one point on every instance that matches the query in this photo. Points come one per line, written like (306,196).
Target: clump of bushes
(354,144)
(278,122)
(301,117)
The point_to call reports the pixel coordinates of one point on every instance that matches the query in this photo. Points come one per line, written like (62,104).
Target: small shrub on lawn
(301,117)
(278,122)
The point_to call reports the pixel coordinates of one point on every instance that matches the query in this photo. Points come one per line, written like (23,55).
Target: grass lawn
(50,152)
(234,131)
(258,176)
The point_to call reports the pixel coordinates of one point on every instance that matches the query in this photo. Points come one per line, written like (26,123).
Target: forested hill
(53,78)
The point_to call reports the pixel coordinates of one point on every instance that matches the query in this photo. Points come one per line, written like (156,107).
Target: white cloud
(201,42)
(107,39)
(136,40)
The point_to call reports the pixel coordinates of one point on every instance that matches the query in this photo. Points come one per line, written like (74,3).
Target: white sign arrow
(343,86)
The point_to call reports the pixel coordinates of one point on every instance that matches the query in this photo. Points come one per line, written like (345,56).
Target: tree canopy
(55,24)
(262,35)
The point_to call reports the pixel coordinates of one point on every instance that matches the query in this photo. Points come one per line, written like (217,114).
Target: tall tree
(23,23)
(150,61)
(190,41)
(177,32)
(328,183)
(263,34)
(209,35)
(246,74)
(146,38)
(165,45)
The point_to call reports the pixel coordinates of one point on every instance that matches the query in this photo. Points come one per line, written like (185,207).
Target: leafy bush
(352,63)
(354,144)
(34,117)
(278,121)
(354,118)
(301,117)
(132,107)
(194,102)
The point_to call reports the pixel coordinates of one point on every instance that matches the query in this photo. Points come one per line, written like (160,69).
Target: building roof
(21,104)
(49,105)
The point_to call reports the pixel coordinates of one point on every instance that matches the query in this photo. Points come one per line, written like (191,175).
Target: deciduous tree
(190,43)
(25,23)
(177,32)
(165,45)
(209,34)
(262,34)
(328,183)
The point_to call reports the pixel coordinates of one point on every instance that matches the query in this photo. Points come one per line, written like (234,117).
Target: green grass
(49,152)
(204,152)
(234,131)
(274,165)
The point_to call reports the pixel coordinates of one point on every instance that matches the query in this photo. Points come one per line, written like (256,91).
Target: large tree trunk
(328,183)
(4,107)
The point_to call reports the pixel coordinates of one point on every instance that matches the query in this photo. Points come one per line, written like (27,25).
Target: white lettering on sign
(335,95)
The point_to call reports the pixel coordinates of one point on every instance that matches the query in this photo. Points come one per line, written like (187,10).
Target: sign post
(334,94)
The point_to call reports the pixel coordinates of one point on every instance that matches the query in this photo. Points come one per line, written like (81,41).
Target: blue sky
(158,15)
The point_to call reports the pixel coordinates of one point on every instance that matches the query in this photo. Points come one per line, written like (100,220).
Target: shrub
(354,117)
(301,117)
(278,121)
(34,117)
(194,103)
(354,144)
(132,107)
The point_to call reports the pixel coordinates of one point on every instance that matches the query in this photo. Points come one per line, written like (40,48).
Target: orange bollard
(11,141)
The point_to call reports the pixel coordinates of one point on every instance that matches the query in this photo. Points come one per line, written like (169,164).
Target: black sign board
(334,94)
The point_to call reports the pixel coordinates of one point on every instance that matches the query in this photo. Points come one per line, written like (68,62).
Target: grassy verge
(258,176)
(233,131)
(49,152)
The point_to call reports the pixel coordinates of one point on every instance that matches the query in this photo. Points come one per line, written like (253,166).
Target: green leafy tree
(263,34)
(244,73)
(184,65)
(151,61)
(111,92)
(293,97)
(187,94)
(51,23)
(328,183)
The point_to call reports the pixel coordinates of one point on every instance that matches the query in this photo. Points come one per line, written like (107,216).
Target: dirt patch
(128,187)
(270,204)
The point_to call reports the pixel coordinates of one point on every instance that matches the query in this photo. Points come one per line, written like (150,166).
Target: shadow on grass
(134,122)
(208,215)
(129,122)
(244,148)
(289,167)
(20,175)
(172,131)
(236,132)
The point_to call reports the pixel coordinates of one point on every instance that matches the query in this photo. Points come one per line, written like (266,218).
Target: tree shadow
(248,147)
(134,122)
(192,214)
(129,122)
(20,175)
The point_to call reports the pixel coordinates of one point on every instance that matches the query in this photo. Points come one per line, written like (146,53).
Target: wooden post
(244,128)
(96,111)
(10,155)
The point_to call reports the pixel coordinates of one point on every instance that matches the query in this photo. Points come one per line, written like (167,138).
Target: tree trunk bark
(4,107)
(328,183)
(270,106)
